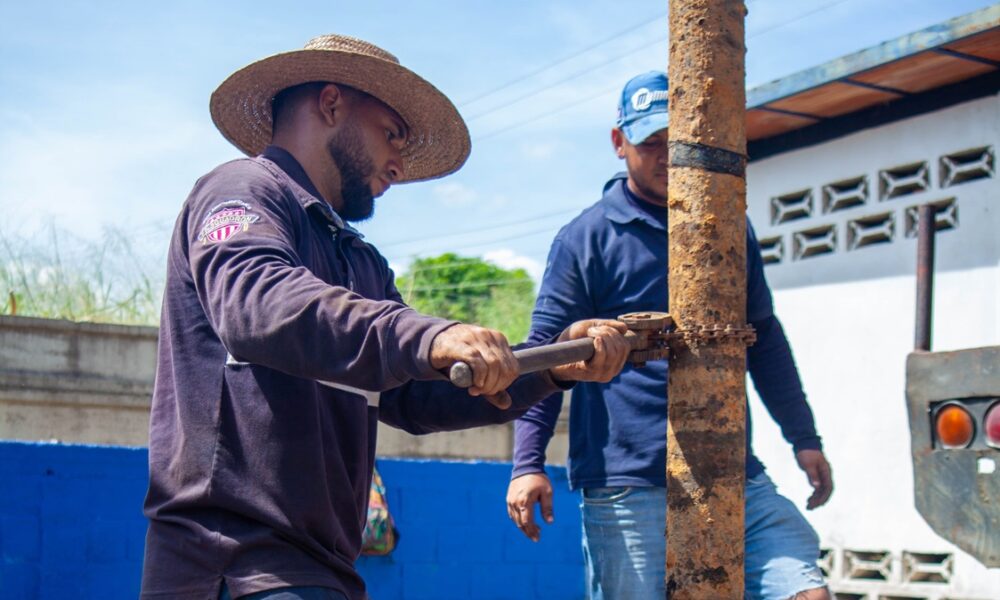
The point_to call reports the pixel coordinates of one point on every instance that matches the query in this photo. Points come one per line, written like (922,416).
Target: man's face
(646,163)
(366,149)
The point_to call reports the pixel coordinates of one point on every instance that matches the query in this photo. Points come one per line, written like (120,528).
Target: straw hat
(438,140)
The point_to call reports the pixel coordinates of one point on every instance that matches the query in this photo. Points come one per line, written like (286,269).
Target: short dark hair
(288,99)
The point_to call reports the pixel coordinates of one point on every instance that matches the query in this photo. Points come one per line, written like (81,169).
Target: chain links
(664,344)
(710,333)
(659,340)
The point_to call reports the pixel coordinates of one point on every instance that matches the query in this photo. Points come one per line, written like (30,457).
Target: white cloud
(454,194)
(508,259)
(131,164)
(538,150)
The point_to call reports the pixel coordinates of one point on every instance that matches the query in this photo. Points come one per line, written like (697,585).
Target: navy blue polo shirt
(611,260)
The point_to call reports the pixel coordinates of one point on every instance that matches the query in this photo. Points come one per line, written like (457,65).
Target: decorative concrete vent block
(791,207)
(968,165)
(898,597)
(845,194)
(921,567)
(850,596)
(814,242)
(904,180)
(825,561)
(945,216)
(867,231)
(868,565)
(772,249)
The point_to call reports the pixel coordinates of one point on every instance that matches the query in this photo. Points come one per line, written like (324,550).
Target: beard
(348,152)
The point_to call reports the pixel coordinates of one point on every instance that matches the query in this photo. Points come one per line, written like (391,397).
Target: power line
(794,19)
(448,265)
(506,238)
(543,115)
(548,66)
(586,71)
(538,117)
(489,228)
(476,284)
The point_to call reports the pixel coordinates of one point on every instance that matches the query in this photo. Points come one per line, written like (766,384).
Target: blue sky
(104,105)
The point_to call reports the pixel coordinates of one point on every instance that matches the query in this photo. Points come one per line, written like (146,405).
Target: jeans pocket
(606,495)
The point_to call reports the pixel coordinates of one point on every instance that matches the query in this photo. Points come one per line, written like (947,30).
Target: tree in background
(471,290)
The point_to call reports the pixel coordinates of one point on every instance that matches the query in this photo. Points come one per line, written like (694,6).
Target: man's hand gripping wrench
(648,334)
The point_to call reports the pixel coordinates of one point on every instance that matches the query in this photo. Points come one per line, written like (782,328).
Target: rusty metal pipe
(706,215)
(926,228)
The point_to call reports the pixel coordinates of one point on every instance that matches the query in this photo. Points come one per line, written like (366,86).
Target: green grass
(60,276)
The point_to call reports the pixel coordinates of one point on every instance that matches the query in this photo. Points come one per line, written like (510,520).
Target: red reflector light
(954,426)
(991,425)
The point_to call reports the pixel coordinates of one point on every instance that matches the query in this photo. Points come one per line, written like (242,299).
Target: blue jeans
(625,550)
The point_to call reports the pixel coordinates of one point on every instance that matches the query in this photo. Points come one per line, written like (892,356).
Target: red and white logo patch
(226,220)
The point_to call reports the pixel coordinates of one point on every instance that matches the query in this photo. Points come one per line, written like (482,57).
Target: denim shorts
(625,550)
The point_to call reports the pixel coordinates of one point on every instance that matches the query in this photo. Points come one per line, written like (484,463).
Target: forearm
(532,434)
(421,407)
(777,381)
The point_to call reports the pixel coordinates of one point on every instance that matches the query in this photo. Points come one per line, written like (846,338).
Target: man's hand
(493,364)
(813,462)
(610,351)
(522,494)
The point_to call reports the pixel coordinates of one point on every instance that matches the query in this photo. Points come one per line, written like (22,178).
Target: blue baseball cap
(642,110)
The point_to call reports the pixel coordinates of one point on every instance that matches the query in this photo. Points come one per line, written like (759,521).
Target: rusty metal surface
(960,504)
(926,227)
(707,279)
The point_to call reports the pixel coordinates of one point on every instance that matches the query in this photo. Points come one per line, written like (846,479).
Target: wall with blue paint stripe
(71,526)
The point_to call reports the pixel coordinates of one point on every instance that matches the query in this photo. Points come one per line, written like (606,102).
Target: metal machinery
(953,401)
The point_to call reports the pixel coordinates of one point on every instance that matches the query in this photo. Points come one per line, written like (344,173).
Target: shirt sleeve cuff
(809,443)
(520,470)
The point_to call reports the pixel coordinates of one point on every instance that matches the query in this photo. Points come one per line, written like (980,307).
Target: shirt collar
(293,168)
(622,206)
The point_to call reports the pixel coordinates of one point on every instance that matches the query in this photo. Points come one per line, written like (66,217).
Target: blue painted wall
(71,526)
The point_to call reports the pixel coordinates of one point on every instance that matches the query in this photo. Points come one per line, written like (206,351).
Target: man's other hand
(493,364)
(813,462)
(610,351)
(522,495)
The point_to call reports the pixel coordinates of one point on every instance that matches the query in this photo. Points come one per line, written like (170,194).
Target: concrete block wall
(71,526)
(91,383)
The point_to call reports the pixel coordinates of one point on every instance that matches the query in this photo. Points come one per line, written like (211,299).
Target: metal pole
(926,227)
(706,430)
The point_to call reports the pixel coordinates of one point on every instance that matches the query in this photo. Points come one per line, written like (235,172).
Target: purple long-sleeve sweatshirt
(283,340)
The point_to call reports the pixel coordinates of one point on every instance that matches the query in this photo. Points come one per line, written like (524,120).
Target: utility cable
(560,61)
(489,228)
(562,108)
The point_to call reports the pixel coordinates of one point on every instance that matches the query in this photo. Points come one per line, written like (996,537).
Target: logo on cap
(641,99)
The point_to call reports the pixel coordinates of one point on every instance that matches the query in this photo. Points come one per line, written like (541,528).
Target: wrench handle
(534,359)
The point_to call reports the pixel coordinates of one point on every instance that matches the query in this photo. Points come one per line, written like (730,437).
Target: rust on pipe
(706,430)
(926,227)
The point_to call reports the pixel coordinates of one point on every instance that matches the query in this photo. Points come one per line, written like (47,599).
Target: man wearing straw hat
(283,338)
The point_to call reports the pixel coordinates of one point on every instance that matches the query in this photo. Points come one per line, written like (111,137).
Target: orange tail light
(954,426)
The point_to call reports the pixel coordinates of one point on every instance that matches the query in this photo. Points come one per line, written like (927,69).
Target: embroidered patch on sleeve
(226,220)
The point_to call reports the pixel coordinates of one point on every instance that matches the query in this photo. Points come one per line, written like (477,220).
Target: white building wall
(849,315)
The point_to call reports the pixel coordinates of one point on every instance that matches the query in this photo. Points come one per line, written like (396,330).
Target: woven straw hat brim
(438,137)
